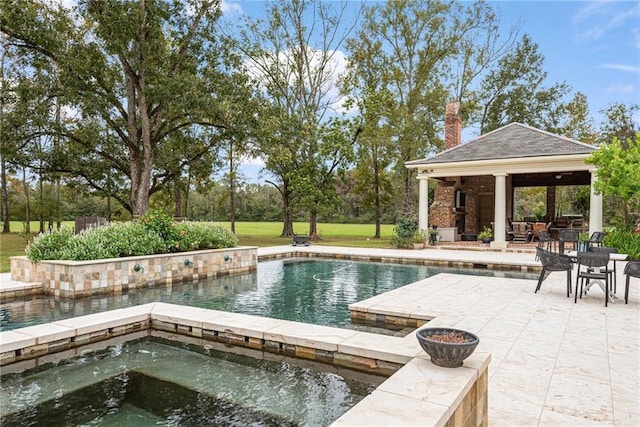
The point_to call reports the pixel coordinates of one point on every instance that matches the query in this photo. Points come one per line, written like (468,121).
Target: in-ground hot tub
(154,380)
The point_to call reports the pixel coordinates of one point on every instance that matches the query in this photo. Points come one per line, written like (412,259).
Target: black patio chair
(545,241)
(595,240)
(596,269)
(553,262)
(631,270)
(612,272)
(568,236)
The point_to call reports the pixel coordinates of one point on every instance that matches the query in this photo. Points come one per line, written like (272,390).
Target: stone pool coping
(495,261)
(417,392)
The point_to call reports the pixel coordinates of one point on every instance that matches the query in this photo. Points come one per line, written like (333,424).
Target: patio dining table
(612,257)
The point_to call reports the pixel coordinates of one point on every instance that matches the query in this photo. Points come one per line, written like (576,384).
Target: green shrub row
(128,239)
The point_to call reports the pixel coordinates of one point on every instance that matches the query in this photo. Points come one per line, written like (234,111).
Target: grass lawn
(259,234)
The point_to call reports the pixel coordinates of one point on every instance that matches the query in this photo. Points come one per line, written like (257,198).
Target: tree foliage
(293,55)
(136,72)
(414,57)
(619,172)
(514,91)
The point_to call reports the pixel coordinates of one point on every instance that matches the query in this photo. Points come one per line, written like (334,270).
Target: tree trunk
(313,225)
(287,226)
(232,191)
(139,133)
(58,204)
(5,198)
(186,196)
(178,201)
(27,205)
(376,192)
(109,195)
(56,179)
(409,204)
(6,228)
(41,197)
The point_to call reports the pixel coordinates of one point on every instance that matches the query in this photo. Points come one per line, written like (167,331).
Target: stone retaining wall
(73,279)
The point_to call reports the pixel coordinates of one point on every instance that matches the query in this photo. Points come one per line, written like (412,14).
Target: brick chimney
(452,125)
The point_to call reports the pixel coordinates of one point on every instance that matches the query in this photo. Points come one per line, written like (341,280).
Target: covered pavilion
(476,180)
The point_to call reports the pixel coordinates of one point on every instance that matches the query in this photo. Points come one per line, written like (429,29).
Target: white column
(423,202)
(595,205)
(500,212)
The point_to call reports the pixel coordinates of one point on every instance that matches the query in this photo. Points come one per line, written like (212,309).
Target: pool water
(314,291)
(154,381)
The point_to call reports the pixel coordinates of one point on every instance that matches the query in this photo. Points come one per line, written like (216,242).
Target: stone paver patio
(553,362)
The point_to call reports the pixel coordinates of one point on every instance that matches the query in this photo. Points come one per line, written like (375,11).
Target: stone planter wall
(73,279)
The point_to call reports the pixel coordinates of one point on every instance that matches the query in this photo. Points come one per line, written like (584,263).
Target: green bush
(48,245)
(404,231)
(113,241)
(129,239)
(199,235)
(625,240)
(163,225)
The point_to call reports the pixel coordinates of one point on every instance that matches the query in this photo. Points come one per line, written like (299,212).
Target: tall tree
(514,91)
(293,55)
(4,98)
(618,162)
(619,123)
(413,46)
(576,122)
(137,65)
(619,174)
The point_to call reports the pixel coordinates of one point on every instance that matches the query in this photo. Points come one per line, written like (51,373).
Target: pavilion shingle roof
(514,140)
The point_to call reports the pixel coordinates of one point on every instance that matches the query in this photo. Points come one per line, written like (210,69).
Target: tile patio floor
(553,362)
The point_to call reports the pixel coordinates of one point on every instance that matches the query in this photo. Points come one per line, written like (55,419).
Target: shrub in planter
(48,245)
(129,239)
(420,238)
(198,235)
(486,235)
(163,225)
(112,241)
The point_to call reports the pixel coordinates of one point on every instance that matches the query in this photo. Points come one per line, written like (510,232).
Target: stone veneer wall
(73,279)
(474,408)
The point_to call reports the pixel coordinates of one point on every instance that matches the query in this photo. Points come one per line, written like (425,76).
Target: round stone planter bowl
(447,354)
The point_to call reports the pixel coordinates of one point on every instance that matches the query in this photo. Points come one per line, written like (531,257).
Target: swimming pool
(306,290)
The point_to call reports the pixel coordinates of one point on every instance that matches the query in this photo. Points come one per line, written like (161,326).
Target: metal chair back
(593,259)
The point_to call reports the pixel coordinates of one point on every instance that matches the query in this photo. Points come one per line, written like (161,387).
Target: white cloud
(254,161)
(231,8)
(597,19)
(621,88)
(335,62)
(623,67)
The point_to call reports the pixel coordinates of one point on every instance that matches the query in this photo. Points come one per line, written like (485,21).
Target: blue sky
(592,46)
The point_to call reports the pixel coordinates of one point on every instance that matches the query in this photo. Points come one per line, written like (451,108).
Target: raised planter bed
(81,278)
